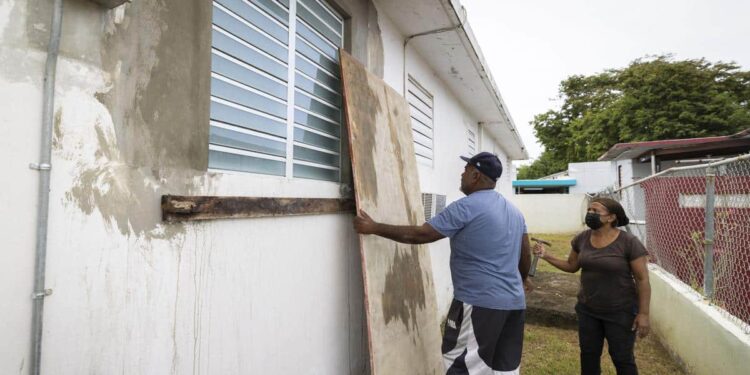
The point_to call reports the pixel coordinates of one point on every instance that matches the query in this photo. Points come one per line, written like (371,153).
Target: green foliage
(545,165)
(651,99)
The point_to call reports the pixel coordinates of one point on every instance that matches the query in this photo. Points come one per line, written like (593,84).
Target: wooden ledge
(188,208)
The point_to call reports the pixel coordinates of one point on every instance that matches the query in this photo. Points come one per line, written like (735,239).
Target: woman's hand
(539,250)
(641,325)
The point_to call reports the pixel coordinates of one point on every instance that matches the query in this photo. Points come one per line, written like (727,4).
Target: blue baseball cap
(487,163)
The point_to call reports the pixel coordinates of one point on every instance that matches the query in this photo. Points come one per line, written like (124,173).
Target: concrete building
(579,178)
(633,161)
(222,98)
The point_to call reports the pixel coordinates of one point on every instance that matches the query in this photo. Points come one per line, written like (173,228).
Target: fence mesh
(670,213)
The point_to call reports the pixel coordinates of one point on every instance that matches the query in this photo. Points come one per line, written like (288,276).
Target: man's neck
(481,189)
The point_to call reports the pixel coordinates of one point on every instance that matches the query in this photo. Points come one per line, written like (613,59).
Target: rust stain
(404,292)
(397,148)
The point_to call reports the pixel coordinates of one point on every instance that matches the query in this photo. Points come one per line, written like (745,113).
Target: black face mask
(593,220)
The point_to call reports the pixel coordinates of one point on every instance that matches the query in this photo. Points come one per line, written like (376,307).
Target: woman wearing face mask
(613,300)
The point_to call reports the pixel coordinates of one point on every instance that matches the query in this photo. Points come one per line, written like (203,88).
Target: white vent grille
(422,123)
(433,204)
(471,137)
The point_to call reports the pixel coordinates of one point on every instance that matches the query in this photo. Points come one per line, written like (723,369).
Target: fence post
(708,261)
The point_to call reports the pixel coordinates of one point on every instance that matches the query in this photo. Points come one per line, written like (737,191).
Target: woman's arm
(639,268)
(569,265)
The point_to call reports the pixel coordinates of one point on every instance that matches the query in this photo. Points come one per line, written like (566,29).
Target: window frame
(294,135)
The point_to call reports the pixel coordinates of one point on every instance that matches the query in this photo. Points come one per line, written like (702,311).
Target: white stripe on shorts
(467,340)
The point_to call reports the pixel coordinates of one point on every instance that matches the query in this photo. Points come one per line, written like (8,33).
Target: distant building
(636,160)
(626,163)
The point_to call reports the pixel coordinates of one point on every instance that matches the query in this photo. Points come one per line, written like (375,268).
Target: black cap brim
(464,158)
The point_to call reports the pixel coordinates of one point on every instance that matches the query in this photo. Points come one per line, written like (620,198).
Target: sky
(532,45)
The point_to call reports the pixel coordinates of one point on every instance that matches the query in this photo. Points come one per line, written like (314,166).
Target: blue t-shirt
(485,232)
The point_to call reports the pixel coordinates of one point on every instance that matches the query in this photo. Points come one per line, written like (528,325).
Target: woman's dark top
(607,282)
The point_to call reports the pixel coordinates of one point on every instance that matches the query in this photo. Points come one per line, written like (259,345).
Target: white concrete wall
(591,177)
(19,127)
(632,198)
(701,337)
(234,296)
(552,213)
(134,295)
(640,170)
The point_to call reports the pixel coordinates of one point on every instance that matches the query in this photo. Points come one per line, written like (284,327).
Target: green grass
(560,249)
(554,351)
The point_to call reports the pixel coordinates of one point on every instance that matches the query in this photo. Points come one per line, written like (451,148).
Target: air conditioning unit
(433,204)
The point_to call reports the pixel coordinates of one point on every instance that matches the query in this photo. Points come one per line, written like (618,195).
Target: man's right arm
(407,233)
(524,264)
(410,234)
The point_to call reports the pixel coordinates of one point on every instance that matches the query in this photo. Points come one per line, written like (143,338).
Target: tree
(651,99)
(545,165)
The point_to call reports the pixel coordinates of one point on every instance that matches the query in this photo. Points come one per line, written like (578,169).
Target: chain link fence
(695,222)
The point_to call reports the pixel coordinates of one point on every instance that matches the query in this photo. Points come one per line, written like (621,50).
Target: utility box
(111,3)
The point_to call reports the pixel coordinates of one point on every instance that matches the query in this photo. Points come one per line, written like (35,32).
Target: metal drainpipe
(44,185)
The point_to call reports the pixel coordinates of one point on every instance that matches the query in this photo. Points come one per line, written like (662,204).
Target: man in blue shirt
(490,260)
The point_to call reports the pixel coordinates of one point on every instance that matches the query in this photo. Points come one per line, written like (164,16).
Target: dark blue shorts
(479,340)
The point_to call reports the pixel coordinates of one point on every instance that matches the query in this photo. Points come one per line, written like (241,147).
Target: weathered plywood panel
(404,332)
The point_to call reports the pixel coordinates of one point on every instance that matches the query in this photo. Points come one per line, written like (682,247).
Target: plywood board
(404,332)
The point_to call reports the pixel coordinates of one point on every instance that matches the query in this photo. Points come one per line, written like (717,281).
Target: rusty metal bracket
(189,208)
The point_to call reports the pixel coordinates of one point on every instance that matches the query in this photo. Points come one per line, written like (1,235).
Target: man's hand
(528,286)
(364,224)
(641,325)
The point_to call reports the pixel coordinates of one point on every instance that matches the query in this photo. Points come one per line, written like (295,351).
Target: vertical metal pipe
(653,163)
(708,261)
(44,186)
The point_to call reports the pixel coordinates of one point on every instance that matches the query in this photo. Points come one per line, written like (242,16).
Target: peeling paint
(160,115)
(57,134)
(127,198)
(130,133)
(5,10)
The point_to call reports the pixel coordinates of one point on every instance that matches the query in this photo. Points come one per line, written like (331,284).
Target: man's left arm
(410,234)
